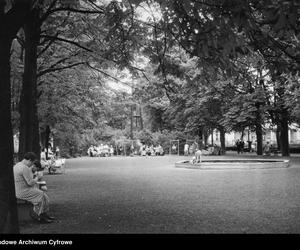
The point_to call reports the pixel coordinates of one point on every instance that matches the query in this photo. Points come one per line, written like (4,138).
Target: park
(147,116)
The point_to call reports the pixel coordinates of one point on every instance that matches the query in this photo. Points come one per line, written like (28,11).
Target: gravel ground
(121,195)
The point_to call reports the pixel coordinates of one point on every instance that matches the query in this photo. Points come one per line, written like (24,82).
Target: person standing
(242,146)
(26,189)
(198,156)
(186,149)
(238,146)
(57,152)
(111,150)
(196,146)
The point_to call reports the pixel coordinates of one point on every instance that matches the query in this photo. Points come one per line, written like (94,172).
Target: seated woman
(26,189)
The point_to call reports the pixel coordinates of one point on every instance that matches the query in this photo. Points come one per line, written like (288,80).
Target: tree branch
(67,41)
(72,10)
(51,41)
(46,71)
(106,74)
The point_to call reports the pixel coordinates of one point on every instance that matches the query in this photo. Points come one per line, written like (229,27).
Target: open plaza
(118,194)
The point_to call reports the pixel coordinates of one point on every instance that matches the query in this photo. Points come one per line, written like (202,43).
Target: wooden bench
(275,151)
(24,208)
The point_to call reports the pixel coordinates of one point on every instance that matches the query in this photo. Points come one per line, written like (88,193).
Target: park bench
(275,151)
(24,208)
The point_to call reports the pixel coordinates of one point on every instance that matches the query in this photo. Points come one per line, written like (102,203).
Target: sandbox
(234,164)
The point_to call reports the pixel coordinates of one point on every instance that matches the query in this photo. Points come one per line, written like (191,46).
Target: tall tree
(12,17)
(29,127)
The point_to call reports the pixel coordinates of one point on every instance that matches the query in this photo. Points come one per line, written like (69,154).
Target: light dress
(26,189)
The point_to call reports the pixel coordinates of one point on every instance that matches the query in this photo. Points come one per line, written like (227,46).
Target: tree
(12,18)
(29,127)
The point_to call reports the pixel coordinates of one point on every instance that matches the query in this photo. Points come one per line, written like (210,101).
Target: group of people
(28,175)
(101,150)
(146,150)
(190,149)
(207,150)
(267,149)
(51,159)
(240,145)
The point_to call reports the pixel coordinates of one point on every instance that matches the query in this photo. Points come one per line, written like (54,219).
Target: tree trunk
(278,140)
(200,136)
(259,140)
(258,130)
(131,122)
(142,123)
(29,124)
(10,23)
(47,139)
(205,135)
(284,135)
(8,205)
(222,139)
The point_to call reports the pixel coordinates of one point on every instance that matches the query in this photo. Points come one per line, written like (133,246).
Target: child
(193,160)
(37,171)
(198,155)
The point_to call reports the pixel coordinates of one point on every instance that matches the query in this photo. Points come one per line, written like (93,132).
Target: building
(269,134)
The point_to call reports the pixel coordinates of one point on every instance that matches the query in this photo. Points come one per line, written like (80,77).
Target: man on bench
(26,189)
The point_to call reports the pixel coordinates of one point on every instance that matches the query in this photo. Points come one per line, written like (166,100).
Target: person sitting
(193,160)
(131,150)
(174,149)
(211,150)
(44,161)
(147,149)
(50,153)
(143,150)
(152,151)
(90,151)
(161,150)
(267,148)
(111,151)
(26,189)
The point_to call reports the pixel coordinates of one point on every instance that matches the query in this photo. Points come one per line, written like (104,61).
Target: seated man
(26,189)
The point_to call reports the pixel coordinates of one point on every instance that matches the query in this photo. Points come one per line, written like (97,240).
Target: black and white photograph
(142,117)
